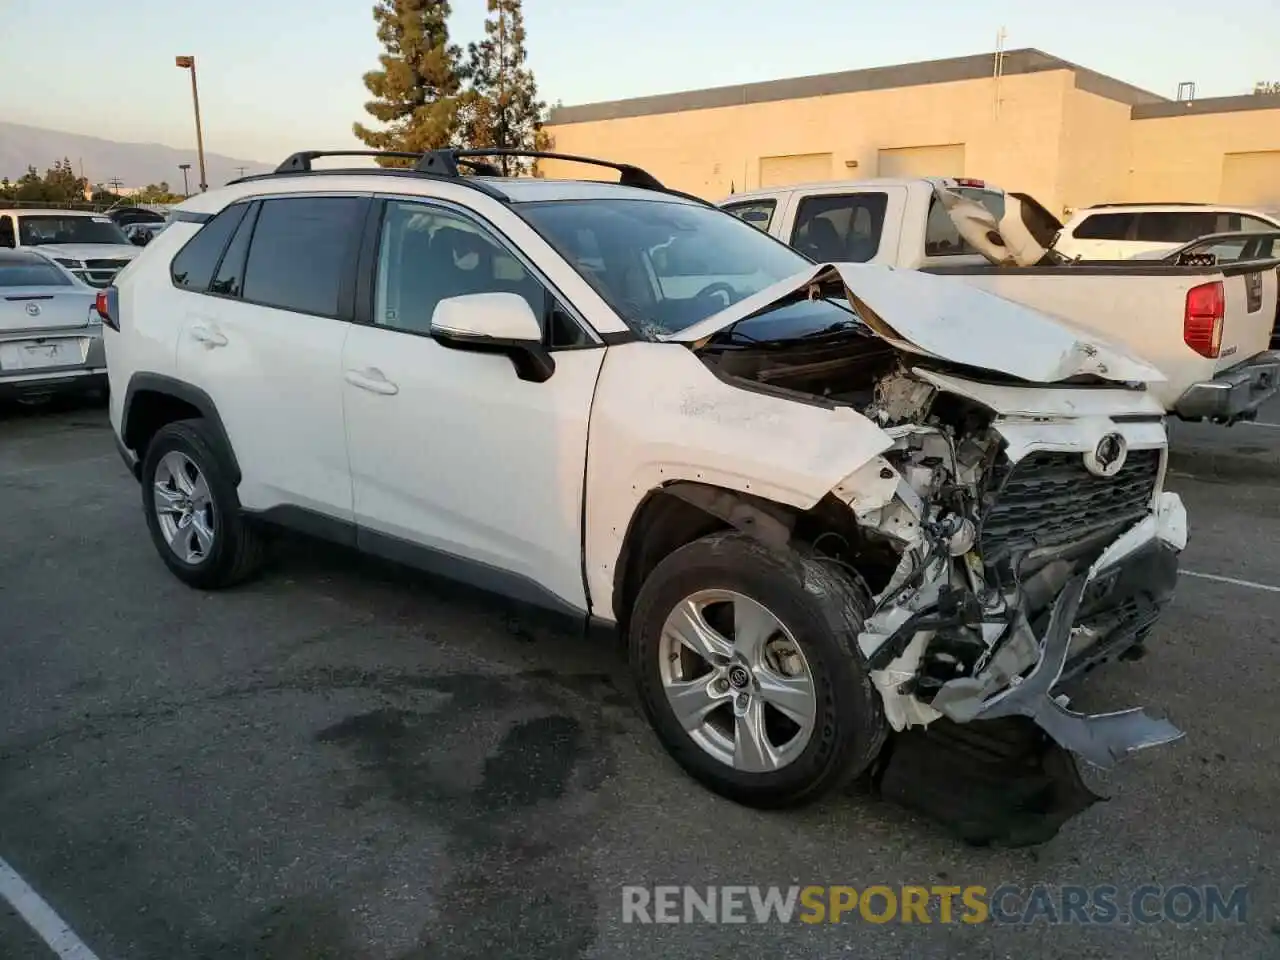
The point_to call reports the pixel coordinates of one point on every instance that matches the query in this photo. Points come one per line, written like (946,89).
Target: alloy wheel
(737,681)
(184,507)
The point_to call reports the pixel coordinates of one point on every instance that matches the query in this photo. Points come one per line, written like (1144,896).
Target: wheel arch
(152,400)
(678,513)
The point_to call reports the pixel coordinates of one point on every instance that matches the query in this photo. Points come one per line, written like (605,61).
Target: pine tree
(501,106)
(415,94)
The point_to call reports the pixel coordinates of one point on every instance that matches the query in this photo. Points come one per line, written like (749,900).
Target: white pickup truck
(1206,326)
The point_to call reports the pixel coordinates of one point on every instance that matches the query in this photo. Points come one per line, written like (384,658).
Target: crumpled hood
(88,251)
(942,317)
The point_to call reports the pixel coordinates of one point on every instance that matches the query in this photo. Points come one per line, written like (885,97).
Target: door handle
(207,335)
(373,380)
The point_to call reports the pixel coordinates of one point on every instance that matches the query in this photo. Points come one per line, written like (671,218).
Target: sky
(282,75)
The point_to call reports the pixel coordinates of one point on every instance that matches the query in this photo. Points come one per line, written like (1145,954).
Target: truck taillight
(970,182)
(1202,322)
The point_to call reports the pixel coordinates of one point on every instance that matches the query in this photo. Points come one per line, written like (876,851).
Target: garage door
(1251,179)
(796,168)
(944,160)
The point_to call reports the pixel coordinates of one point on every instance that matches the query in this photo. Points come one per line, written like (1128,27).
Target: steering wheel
(719,287)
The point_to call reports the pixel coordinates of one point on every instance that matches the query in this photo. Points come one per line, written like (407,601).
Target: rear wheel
(747,664)
(192,509)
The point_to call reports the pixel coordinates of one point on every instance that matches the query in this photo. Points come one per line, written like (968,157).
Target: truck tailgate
(1249,313)
(1144,308)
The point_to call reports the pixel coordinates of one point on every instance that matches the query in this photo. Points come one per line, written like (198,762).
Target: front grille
(105,264)
(1050,499)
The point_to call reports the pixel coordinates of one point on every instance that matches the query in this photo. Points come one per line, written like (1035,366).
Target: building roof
(1143,103)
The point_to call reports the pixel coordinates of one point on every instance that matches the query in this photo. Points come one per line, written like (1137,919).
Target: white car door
(458,464)
(264,341)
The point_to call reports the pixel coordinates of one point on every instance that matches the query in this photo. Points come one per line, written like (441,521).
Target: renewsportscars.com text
(1008,904)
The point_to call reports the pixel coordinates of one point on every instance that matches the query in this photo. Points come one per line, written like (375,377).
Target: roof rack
(447,164)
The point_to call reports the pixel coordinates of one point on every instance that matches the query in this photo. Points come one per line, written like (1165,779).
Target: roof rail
(1149,203)
(446,163)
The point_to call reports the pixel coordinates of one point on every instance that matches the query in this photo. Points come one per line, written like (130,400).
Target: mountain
(133,164)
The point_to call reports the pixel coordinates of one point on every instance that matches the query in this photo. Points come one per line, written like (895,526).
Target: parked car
(821,503)
(1207,328)
(1118,231)
(50,331)
(90,245)
(125,217)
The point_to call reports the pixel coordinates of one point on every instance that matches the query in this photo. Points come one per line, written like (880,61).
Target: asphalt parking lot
(345,760)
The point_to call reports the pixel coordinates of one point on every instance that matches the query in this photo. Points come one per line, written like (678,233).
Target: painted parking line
(1254,423)
(48,926)
(1232,580)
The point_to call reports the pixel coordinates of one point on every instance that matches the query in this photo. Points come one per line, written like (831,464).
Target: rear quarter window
(192,269)
(941,238)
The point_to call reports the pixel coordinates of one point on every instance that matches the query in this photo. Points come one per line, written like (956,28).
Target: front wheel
(747,665)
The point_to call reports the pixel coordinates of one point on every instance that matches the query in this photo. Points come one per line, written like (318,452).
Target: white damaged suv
(823,503)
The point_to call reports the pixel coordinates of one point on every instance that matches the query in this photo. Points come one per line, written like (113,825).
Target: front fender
(660,415)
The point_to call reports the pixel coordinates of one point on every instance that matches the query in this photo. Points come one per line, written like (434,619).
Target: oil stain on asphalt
(519,882)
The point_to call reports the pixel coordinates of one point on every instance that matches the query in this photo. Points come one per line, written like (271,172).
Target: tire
(234,549)
(821,610)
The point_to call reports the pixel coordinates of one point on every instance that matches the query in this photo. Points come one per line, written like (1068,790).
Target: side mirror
(139,238)
(494,323)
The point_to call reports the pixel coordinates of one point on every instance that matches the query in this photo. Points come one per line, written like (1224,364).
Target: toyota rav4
(823,502)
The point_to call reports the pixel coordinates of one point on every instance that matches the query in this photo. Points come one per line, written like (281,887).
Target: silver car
(50,330)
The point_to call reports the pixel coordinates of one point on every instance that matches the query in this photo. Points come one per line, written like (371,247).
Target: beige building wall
(1096,148)
(704,152)
(1182,158)
(1065,134)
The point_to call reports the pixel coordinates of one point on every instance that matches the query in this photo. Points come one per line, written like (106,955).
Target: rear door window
(1172,226)
(301,249)
(841,228)
(6,231)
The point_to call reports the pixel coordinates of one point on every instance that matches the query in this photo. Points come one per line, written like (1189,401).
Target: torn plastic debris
(1102,740)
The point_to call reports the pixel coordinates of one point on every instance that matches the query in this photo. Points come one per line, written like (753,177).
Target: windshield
(663,265)
(30,274)
(47,228)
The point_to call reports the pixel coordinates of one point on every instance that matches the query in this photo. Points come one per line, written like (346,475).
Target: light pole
(189,63)
(184,167)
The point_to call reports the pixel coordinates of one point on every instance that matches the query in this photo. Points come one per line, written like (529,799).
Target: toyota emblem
(1108,457)
(33,309)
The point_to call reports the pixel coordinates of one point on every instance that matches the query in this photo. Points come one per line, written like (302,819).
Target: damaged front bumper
(1099,613)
